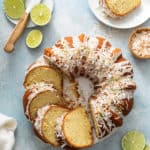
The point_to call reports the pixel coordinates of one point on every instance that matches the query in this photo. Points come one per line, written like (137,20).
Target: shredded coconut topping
(141,43)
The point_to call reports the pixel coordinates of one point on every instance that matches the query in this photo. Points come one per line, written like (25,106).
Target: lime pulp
(14,8)
(34,38)
(133,140)
(40,14)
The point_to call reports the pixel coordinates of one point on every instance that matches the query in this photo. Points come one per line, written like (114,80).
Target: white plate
(49,3)
(135,18)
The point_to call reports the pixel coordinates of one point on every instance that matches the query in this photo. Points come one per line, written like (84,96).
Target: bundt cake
(111,74)
(45,123)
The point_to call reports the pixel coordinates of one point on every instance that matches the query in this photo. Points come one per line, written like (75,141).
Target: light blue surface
(70,17)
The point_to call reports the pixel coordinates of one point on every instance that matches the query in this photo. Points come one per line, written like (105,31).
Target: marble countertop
(69,18)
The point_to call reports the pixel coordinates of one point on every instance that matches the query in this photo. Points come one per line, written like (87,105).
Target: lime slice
(147,147)
(40,14)
(34,38)
(133,140)
(14,8)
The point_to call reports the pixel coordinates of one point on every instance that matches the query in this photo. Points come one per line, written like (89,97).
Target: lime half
(147,147)
(14,8)
(133,140)
(34,38)
(40,14)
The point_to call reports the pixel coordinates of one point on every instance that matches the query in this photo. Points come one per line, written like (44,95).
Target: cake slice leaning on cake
(73,129)
(45,123)
(41,71)
(38,96)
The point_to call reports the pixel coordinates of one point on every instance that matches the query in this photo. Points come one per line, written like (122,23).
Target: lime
(40,14)
(34,38)
(133,140)
(147,147)
(14,8)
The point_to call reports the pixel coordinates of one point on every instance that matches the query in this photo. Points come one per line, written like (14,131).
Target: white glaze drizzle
(40,115)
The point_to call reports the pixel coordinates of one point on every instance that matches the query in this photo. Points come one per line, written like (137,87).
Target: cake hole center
(86,88)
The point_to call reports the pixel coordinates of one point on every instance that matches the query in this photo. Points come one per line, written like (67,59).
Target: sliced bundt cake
(41,71)
(45,123)
(76,128)
(112,97)
(39,95)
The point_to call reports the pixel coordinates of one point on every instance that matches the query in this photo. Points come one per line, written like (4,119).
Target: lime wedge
(147,147)
(34,38)
(14,8)
(40,14)
(133,140)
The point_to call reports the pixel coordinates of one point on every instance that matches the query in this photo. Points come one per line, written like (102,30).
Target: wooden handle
(18,30)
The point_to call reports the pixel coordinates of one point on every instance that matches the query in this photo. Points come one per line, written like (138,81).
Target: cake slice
(41,71)
(40,95)
(45,123)
(76,128)
(119,8)
(43,74)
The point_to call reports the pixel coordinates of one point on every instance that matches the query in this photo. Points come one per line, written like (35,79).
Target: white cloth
(7,128)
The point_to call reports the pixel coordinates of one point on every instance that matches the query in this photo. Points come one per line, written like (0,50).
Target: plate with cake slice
(122,14)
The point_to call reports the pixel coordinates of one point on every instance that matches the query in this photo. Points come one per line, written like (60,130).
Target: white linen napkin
(7,128)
